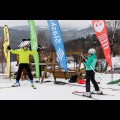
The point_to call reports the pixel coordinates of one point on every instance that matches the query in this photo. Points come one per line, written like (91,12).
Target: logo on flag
(60,54)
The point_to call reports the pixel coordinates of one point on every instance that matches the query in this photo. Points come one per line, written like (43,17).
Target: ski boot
(16,85)
(97,92)
(87,94)
(32,84)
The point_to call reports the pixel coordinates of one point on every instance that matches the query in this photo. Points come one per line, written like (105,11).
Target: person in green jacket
(24,54)
(90,73)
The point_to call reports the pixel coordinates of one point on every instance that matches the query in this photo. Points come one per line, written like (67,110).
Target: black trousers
(90,76)
(27,67)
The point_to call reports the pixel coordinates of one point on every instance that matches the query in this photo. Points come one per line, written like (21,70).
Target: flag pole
(111,69)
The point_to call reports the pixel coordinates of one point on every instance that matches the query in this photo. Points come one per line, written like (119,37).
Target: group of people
(90,64)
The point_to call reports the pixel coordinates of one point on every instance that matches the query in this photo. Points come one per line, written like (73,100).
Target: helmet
(25,43)
(91,51)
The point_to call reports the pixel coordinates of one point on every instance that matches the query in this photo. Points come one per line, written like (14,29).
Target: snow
(51,91)
(116,61)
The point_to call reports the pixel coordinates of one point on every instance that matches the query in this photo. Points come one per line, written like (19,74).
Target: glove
(9,48)
(83,60)
(38,50)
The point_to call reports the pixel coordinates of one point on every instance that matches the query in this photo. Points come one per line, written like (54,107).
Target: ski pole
(86,61)
(19,45)
(23,43)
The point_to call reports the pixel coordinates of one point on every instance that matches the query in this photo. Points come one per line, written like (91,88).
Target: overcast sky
(80,24)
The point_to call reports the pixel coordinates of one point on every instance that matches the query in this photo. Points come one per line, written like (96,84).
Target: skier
(23,53)
(90,74)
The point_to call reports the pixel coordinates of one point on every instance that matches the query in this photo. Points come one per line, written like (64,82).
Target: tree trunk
(105,68)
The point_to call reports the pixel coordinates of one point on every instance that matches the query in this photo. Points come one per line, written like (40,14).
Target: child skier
(23,53)
(90,74)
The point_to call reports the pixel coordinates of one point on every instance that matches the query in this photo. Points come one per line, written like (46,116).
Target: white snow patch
(51,91)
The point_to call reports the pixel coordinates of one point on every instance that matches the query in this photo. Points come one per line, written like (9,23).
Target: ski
(6,87)
(113,89)
(34,87)
(94,94)
(75,85)
(81,94)
(12,86)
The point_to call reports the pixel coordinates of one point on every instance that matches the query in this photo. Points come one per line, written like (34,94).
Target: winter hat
(91,51)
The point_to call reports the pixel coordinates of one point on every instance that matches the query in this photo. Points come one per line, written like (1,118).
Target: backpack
(73,78)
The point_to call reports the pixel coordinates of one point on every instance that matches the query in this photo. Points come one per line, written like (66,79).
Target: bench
(62,74)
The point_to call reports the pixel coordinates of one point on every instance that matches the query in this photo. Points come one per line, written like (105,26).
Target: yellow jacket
(23,54)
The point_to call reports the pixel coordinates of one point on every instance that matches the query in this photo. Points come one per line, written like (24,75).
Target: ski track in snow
(51,91)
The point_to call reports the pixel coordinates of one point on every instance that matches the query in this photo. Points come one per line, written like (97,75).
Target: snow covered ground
(51,91)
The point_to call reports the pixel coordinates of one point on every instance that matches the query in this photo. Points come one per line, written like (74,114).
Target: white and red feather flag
(102,35)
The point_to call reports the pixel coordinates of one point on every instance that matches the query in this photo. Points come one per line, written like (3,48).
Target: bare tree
(113,26)
(41,37)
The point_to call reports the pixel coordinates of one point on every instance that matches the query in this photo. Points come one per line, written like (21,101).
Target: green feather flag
(34,46)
